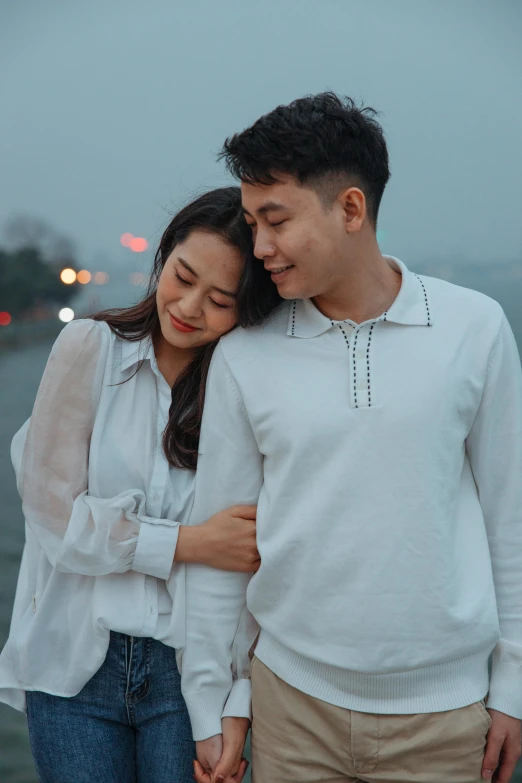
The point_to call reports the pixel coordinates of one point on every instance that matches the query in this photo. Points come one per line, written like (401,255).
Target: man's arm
(219,629)
(495,450)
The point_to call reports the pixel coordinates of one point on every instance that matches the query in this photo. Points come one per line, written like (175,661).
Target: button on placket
(161,467)
(151,594)
(159,476)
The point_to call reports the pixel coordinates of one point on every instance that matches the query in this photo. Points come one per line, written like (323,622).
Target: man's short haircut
(326,142)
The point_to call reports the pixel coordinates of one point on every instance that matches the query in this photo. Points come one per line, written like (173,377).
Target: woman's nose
(190,305)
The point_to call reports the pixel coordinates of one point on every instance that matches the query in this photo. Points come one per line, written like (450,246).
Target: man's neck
(366,290)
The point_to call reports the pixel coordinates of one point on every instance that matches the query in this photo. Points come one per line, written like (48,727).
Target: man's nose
(264,247)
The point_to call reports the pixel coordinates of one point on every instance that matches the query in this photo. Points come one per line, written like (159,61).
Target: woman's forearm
(226,541)
(191,544)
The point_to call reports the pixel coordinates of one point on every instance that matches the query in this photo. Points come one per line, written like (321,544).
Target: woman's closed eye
(182,279)
(187,282)
(218,304)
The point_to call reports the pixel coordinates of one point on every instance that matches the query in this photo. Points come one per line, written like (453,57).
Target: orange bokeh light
(126,239)
(68,276)
(100,278)
(84,276)
(5,319)
(138,244)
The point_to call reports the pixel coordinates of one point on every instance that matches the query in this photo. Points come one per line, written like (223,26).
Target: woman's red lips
(180,325)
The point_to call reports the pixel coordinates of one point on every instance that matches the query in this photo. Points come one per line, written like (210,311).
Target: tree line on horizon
(31,260)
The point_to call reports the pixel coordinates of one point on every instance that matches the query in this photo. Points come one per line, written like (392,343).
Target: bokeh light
(5,319)
(138,244)
(84,276)
(126,239)
(100,278)
(66,315)
(68,276)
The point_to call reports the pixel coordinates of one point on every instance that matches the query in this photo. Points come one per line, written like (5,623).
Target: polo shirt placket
(361,381)
(410,308)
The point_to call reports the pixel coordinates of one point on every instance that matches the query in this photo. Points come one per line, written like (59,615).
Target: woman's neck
(171,360)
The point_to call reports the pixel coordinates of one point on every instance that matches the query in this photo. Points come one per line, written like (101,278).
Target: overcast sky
(112,111)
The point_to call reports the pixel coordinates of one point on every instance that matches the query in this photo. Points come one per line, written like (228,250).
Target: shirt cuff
(155,549)
(239,702)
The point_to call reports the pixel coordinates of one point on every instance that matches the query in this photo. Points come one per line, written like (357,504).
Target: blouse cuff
(155,549)
(239,702)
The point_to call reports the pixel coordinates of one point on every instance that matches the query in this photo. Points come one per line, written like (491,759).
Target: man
(376,418)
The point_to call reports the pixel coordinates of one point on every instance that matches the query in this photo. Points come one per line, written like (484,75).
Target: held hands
(220,757)
(226,541)
(208,754)
(503,748)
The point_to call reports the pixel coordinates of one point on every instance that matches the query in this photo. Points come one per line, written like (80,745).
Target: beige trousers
(299,739)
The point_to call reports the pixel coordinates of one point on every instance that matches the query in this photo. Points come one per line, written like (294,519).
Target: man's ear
(353,203)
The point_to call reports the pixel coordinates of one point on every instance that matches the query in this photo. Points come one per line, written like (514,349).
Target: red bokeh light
(126,239)
(138,244)
(5,319)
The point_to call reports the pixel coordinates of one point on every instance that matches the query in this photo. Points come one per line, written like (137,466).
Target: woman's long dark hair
(218,212)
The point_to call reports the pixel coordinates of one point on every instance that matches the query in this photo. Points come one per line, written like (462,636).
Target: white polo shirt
(386,460)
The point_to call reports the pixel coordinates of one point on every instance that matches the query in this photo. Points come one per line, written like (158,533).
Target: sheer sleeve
(78,532)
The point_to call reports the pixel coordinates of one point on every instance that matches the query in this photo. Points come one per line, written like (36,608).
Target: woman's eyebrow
(187,266)
(215,287)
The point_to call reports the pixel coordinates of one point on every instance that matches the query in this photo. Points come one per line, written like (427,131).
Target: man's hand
(220,757)
(232,766)
(503,748)
(208,753)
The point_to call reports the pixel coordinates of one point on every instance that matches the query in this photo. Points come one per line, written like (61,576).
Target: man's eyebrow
(221,290)
(269,206)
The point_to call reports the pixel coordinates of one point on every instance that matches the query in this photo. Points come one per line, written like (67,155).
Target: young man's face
(300,241)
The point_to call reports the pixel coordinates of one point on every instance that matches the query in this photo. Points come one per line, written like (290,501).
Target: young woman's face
(196,296)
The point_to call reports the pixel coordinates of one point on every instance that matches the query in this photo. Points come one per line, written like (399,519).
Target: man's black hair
(324,141)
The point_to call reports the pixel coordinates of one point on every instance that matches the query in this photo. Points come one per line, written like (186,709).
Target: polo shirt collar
(410,308)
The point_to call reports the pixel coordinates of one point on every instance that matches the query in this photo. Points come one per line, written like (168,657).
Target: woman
(106,482)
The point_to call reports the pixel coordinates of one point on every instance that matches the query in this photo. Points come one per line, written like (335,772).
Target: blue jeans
(129,724)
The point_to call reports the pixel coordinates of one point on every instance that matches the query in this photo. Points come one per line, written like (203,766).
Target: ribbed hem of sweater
(435,688)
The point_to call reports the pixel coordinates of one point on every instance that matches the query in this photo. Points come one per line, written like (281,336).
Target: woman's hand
(226,541)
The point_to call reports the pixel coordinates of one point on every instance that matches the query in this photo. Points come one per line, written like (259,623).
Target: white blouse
(102,509)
